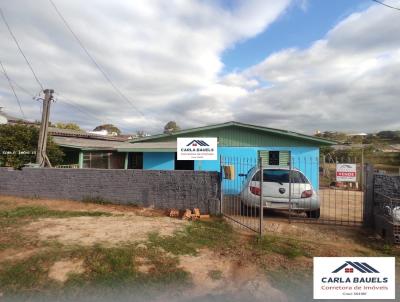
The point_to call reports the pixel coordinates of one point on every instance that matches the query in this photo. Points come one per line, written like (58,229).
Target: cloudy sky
(298,65)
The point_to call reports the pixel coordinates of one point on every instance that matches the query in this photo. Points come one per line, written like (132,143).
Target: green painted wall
(233,136)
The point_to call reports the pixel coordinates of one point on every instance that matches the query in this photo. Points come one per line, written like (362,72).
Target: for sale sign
(197,148)
(346,172)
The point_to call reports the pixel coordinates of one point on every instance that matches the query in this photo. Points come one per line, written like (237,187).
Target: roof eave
(322,142)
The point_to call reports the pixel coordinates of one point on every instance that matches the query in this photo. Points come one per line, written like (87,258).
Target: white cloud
(346,81)
(164,55)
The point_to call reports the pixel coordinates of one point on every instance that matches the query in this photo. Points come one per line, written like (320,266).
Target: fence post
(290,190)
(368,215)
(261,198)
(221,179)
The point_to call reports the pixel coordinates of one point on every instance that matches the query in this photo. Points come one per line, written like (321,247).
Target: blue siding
(158,161)
(306,159)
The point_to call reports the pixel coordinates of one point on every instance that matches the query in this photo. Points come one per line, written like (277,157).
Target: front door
(183,164)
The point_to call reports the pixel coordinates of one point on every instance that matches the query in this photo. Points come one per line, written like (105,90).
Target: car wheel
(314,214)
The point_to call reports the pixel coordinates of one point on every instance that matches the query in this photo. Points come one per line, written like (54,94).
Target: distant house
(395,148)
(360,134)
(12,120)
(82,149)
(88,150)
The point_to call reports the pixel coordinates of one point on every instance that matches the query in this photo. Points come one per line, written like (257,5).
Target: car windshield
(280,176)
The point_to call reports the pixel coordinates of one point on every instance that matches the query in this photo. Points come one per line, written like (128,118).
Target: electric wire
(95,63)
(387,5)
(13,90)
(78,108)
(20,49)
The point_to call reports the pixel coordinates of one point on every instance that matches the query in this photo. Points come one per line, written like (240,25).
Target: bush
(18,144)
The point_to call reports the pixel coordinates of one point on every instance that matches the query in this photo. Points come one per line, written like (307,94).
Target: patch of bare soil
(235,277)
(7,202)
(17,254)
(60,270)
(332,240)
(105,230)
(144,265)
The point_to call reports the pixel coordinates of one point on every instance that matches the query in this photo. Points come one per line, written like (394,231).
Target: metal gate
(339,202)
(234,173)
(304,190)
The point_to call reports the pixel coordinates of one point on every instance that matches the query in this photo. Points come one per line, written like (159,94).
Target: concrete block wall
(159,189)
(386,196)
(387,185)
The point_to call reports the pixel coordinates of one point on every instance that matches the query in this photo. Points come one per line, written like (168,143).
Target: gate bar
(261,198)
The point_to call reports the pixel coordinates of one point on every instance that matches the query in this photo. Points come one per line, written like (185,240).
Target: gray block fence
(159,189)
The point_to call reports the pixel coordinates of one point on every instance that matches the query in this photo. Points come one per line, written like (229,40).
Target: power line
(20,49)
(387,5)
(13,90)
(79,108)
(84,111)
(97,65)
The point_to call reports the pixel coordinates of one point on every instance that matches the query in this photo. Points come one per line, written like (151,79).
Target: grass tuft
(215,274)
(288,247)
(212,234)
(43,212)
(95,199)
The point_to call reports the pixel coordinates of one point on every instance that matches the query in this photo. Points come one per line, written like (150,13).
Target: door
(183,164)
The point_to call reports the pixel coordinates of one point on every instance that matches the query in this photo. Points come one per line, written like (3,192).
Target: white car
(276,191)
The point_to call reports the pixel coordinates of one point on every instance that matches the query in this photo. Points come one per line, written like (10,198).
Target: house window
(103,160)
(183,164)
(275,158)
(135,160)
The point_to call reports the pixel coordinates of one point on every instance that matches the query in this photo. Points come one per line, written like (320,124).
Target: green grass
(43,212)
(288,247)
(215,274)
(26,274)
(212,234)
(117,266)
(12,219)
(104,267)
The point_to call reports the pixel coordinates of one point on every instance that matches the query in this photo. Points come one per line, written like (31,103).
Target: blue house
(239,145)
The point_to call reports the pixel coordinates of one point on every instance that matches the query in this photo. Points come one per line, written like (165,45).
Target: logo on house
(350,266)
(197,142)
(196,148)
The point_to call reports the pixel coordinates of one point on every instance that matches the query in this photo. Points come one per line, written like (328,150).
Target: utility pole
(41,156)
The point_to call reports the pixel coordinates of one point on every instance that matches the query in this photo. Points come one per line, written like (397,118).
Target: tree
(388,135)
(18,145)
(336,136)
(109,127)
(70,126)
(140,133)
(171,126)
